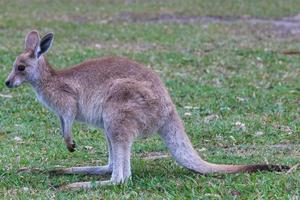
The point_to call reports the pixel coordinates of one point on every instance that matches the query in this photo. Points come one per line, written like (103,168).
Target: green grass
(235,71)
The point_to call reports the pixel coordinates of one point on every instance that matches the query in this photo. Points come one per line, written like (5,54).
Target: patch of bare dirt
(79,18)
(154,155)
(237,150)
(127,47)
(293,149)
(170,18)
(283,27)
(136,47)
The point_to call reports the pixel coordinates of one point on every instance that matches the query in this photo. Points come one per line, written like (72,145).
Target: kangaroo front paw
(71,146)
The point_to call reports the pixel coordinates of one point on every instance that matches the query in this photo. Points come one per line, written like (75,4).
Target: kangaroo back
(181,149)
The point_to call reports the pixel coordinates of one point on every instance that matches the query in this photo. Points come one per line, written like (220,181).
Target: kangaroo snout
(8,83)
(14,80)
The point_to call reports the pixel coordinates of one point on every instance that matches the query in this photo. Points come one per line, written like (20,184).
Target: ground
(231,67)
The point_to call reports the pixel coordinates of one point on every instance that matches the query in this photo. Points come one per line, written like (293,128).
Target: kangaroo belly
(90,111)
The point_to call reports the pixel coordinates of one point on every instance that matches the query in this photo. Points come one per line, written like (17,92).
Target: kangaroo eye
(21,67)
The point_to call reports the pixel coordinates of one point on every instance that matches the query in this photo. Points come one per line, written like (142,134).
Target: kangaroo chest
(44,99)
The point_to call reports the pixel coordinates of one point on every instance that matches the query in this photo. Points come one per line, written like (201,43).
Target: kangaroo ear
(32,41)
(45,44)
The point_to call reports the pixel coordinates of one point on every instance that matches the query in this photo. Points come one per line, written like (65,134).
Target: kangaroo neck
(44,74)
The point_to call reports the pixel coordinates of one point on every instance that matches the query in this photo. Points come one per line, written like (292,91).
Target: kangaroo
(124,98)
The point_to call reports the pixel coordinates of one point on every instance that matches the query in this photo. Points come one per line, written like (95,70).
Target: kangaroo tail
(177,141)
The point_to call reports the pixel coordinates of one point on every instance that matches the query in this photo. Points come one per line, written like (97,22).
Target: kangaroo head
(28,65)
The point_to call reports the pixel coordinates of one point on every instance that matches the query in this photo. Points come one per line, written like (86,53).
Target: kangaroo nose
(7,83)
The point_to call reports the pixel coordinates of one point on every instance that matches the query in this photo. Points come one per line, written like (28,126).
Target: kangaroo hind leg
(121,143)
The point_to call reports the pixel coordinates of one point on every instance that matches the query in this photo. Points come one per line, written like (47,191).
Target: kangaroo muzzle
(12,82)
(7,83)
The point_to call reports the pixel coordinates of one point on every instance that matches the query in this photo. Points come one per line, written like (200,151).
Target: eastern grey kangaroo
(120,96)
